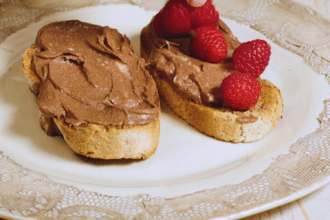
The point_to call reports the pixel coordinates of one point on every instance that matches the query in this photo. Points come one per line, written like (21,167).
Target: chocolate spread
(193,79)
(90,74)
(245,119)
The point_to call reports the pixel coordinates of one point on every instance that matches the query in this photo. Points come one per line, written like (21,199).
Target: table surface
(315,206)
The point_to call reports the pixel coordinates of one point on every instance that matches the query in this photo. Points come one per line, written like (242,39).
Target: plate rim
(269,205)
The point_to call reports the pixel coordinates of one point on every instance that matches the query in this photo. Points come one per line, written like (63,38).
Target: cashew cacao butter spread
(193,79)
(90,74)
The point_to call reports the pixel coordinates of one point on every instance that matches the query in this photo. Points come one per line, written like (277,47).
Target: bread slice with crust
(93,140)
(225,123)
(222,123)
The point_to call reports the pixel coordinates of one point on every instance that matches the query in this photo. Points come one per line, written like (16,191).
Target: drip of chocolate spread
(245,119)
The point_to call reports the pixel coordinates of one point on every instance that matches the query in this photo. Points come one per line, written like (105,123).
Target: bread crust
(111,142)
(92,140)
(223,123)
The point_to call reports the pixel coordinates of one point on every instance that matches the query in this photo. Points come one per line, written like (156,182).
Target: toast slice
(213,119)
(102,141)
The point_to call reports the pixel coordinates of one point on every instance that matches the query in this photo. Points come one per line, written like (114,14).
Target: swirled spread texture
(193,79)
(90,74)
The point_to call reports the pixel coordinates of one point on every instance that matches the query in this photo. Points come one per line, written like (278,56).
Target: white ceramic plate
(189,175)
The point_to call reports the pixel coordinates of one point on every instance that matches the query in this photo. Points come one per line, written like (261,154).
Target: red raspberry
(205,15)
(209,44)
(159,25)
(252,57)
(240,91)
(176,18)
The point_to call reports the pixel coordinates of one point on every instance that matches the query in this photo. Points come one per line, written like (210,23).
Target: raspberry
(240,91)
(252,57)
(158,25)
(176,18)
(205,15)
(209,44)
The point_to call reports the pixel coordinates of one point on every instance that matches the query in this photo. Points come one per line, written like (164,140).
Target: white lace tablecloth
(282,21)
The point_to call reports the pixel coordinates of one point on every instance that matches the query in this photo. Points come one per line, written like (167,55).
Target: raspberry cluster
(239,91)
(242,91)
(178,18)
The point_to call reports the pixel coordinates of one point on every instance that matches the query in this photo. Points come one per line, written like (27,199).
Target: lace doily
(25,194)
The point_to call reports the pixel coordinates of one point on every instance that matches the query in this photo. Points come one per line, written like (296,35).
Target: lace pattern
(308,162)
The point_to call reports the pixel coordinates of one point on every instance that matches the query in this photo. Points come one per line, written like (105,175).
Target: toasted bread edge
(97,141)
(221,123)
